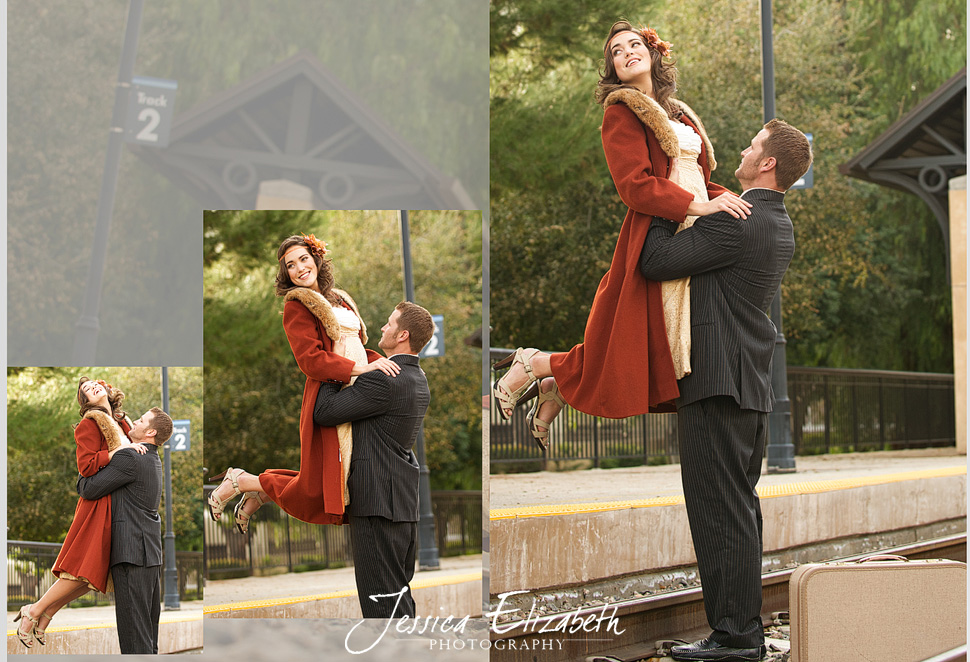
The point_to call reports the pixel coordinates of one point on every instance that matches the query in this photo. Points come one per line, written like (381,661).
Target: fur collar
(109,427)
(655,118)
(323,311)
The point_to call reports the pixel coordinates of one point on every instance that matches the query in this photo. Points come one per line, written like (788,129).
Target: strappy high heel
(538,427)
(508,399)
(39,634)
(243,518)
(217,505)
(26,638)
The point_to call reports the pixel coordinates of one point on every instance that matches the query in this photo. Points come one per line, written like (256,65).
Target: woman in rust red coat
(326,335)
(661,160)
(83,562)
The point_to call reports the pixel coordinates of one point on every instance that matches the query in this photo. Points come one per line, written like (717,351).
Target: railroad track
(627,630)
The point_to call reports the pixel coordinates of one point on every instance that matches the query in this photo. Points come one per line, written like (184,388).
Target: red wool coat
(87,548)
(623,366)
(313,494)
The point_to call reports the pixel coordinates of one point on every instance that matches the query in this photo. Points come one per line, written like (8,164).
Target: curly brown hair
(115,398)
(663,73)
(325,279)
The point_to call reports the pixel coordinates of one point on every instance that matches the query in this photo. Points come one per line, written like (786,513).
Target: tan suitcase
(883,608)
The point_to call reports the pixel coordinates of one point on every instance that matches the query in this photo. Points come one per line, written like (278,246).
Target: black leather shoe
(708,649)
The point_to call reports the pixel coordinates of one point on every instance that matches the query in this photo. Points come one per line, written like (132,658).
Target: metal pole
(427,545)
(486,410)
(781,451)
(171,573)
(88,326)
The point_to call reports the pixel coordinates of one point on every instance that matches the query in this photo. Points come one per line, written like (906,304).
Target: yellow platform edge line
(98,626)
(280,602)
(765,492)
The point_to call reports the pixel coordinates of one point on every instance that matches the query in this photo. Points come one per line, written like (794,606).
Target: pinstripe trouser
(721,447)
(384,553)
(137,606)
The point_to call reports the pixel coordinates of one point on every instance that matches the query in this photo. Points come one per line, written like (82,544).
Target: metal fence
(859,410)
(832,410)
(29,575)
(277,542)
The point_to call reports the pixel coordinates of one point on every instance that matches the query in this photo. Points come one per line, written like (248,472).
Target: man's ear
(150,432)
(768,164)
(403,335)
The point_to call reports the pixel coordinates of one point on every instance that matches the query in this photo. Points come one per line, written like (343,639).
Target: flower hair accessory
(105,384)
(655,42)
(317,246)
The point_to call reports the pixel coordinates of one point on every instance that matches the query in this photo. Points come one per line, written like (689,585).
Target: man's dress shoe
(708,649)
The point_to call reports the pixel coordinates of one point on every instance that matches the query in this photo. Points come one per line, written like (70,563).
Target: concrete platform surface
(92,631)
(454,589)
(296,584)
(550,531)
(633,483)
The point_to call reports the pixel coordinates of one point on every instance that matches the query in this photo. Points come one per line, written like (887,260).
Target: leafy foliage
(253,386)
(42,411)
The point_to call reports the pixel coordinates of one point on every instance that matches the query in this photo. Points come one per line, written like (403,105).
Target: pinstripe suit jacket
(735,267)
(134,482)
(386,413)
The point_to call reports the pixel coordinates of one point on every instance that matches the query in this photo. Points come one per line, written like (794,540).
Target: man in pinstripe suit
(736,266)
(386,413)
(134,482)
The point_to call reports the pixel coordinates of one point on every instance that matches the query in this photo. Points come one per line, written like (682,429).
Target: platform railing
(833,410)
(29,575)
(279,543)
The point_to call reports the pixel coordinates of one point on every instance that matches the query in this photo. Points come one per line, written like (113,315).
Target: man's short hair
(161,424)
(791,150)
(417,322)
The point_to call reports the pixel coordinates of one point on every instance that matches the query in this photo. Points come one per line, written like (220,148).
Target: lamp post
(171,573)
(88,326)
(781,452)
(428,554)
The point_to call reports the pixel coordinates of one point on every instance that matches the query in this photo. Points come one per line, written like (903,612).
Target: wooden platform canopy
(296,121)
(922,151)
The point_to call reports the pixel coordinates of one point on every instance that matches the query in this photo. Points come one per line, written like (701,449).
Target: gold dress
(349,346)
(676,293)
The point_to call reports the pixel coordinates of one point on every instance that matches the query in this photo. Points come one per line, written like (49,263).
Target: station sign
(151,106)
(181,439)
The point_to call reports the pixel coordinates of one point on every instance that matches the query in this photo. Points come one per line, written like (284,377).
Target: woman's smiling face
(301,267)
(631,57)
(95,393)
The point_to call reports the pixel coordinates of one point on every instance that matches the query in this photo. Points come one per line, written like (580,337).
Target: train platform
(455,589)
(576,538)
(93,631)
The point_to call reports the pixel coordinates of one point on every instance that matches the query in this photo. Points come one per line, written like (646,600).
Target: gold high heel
(507,399)
(217,505)
(242,517)
(26,638)
(538,427)
(40,634)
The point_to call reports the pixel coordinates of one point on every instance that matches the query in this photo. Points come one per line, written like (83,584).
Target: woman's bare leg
(59,594)
(247,483)
(550,408)
(45,618)
(516,376)
(250,483)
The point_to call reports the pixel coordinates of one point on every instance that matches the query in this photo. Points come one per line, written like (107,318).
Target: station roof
(922,151)
(296,121)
